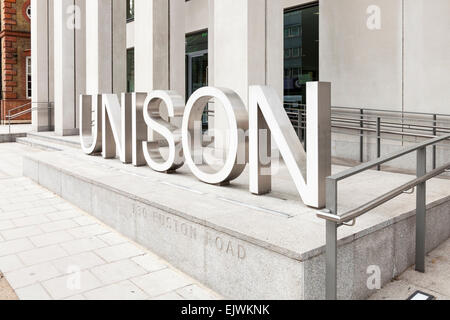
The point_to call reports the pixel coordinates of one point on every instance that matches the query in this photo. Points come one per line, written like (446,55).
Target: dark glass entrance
(301,60)
(197,66)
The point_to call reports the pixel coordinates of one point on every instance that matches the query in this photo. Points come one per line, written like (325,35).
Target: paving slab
(50,249)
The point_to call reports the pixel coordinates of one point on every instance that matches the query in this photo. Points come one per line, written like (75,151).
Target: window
(29,78)
(130,70)
(130,10)
(301,51)
(292,32)
(301,59)
(287,53)
(197,67)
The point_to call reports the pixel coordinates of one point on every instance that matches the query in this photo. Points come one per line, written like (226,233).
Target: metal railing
(377,124)
(334,220)
(29,110)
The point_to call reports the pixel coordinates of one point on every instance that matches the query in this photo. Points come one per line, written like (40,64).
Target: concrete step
(52,139)
(10,137)
(40,144)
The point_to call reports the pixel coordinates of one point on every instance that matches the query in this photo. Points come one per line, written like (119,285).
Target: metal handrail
(29,110)
(19,107)
(392,111)
(361,122)
(358,212)
(371,164)
(334,220)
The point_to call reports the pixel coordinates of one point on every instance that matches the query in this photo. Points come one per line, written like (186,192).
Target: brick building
(16,58)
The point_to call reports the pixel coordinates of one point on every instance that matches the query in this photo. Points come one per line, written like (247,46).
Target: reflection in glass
(301,60)
(197,67)
(130,70)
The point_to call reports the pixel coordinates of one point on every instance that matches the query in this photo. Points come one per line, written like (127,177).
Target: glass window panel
(130,9)
(130,70)
(301,51)
(301,60)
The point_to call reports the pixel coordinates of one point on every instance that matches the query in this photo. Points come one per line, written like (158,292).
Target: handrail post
(9,121)
(421,211)
(331,243)
(434,147)
(378,141)
(361,138)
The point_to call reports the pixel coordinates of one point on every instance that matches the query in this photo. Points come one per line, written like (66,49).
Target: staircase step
(36,143)
(72,142)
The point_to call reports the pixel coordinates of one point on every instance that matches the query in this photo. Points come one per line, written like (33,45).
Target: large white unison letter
(237,117)
(90,124)
(308,169)
(116,119)
(168,131)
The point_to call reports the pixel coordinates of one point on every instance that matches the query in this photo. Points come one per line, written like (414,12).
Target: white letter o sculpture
(237,119)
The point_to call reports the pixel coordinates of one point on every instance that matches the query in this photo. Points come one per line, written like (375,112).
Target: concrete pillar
(177,65)
(42,63)
(152,46)
(64,35)
(105,46)
(160,51)
(80,57)
(247,41)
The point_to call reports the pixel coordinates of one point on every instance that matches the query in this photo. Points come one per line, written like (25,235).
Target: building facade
(15,90)
(381,56)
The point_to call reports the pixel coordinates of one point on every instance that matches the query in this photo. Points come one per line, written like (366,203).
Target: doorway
(301,61)
(197,67)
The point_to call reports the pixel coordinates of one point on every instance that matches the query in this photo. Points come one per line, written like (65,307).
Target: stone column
(177,64)
(105,46)
(152,46)
(80,57)
(247,39)
(160,50)
(65,16)
(42,63)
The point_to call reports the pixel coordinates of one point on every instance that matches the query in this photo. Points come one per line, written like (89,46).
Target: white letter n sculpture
(310,169)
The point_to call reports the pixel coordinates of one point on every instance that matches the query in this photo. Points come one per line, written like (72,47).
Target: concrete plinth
(241,245)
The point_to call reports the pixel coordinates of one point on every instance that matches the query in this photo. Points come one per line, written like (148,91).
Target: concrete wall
(377,68)
(427,58)
(364,66)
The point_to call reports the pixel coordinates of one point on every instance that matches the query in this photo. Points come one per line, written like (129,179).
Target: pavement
(50,249)
(16,128)
(435,281)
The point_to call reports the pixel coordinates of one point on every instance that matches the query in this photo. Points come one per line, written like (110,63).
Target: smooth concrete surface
(402,66)
(427,63)
(364,65)
(152,47)
(65,70)
(106,47)
(241,245)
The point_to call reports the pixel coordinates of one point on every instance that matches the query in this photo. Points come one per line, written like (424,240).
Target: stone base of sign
(241,245)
